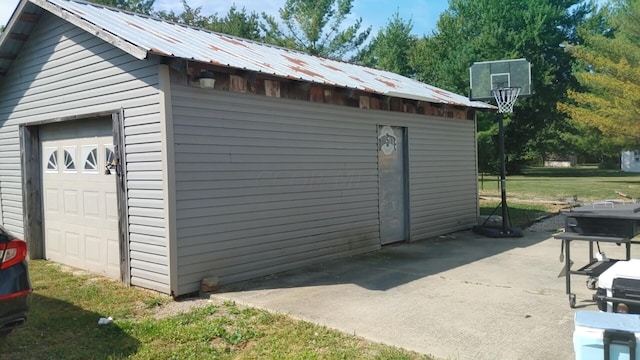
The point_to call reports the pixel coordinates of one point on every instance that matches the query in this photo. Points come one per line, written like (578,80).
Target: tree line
(585,62)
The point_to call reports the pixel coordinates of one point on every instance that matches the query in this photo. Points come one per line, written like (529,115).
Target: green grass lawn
(63,324)
(587,183)
(543,191)
(522,214)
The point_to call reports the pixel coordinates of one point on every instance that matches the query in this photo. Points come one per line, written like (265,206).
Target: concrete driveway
(465,298)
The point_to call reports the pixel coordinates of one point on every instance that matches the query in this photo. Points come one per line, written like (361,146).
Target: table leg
(567,266)
(628,245)
(567,273)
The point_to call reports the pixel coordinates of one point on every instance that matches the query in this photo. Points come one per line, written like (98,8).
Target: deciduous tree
(610,78)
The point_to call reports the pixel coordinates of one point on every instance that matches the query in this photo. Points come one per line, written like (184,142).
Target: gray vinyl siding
(265,185)
(443,181)
(63,71)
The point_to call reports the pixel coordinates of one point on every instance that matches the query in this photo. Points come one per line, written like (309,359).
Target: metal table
(593,268)
(607,222)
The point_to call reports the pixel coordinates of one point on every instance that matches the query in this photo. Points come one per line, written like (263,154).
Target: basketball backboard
(488,75)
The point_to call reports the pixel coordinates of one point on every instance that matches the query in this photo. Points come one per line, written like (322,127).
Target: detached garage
(161,154)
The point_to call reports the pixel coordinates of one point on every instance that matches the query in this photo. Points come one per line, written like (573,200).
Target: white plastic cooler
(621,269)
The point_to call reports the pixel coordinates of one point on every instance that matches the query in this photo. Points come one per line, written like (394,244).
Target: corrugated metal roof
(139,34)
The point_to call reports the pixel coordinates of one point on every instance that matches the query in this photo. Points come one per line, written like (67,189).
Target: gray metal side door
(393,183)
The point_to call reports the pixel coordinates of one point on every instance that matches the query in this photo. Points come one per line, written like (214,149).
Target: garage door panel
(70,198)
(113,254)
(91,202)
(111,205)
(53,243)
(72,245)
(51,200)
(80,202)
(93,253)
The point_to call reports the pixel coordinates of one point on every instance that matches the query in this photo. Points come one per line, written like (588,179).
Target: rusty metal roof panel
(170,39)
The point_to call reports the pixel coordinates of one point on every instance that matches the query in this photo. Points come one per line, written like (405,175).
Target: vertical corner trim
(168,174)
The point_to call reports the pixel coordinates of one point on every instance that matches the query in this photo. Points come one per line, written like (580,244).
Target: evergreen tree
(236,22)
(189,16)
(391,48)
(316,27)
(138,6)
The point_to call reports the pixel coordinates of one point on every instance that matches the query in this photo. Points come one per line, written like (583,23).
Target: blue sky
(374,13)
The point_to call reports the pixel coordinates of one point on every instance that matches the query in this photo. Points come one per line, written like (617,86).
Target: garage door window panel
(90,156)
(69,159)
(51,159)
(109,158)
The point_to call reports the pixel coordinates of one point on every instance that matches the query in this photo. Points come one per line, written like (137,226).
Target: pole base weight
(512,232)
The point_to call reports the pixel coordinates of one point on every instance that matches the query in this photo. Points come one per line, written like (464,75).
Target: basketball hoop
(504,81)
(506,98)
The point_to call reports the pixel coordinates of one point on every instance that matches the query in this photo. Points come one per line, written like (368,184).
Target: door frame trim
(117,119)
(31,172)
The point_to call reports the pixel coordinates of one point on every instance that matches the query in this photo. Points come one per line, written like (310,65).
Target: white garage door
(80,202)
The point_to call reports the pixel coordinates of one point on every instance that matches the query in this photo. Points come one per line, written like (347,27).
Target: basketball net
(506,98)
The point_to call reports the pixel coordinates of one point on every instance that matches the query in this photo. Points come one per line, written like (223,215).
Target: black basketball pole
(503,180)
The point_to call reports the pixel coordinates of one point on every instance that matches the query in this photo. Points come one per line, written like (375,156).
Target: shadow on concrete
(394,265)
